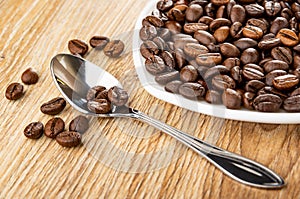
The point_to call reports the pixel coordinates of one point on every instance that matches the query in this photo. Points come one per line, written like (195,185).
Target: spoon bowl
(74,76)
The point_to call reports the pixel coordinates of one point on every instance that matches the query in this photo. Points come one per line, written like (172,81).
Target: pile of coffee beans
(242,53)
(111,48)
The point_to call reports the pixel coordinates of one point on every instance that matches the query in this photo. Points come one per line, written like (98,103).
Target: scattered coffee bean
(114,48)
(54,126)
(14,91)
(117,96)
(173,86)
(99,42)
(54,106)
(29,76)
(188,74)
(79,124)
(94,92)
(77,46)
(99,106)
(34,130)
(232,99)
(69,139)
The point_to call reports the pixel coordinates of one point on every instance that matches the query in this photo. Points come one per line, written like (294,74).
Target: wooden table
(119,158)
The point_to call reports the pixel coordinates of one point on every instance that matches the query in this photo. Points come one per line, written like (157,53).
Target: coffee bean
(250,55)
(192,90)
(238,14)
(221,12)
(232,99)
(236,74)
(173,86)
(213,48)
(236,30)
(254,10)
(164,78)
(221,34)
(29,76)
(14,91)
(54,127)
(94,92)
(272,8)
(78,47)
(188,74)
(193,13)
(155,65)
(286,13)
(272,90)
(292,104)
(192,49)
(181,42)
(206,20)
(177,13)
(254,86)
(69,139)
(295,92)
(145,51)
(219,2)
(247,99)
(155,21)
(210,10)
(285,82)
(231,62)
(275,65)
(99,106)
(164,5)
(180,58)
(168,59)
(99,42)
(258,23)
(114,48)
(118,96)
(148,32)
(283,54)
(54,106)
(191,28)
(222,82)
(266,44)
(229,50)
(213,97)
(204,37)
(245,43)
(271,75)
(278,24)
(165,34)
(219,22)
(34,130)
(79,124)
(287,37)
(267,103)
(253,71)
(296,61)
(209,59)
(252,32)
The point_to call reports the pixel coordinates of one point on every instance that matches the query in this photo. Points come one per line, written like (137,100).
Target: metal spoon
(73,76)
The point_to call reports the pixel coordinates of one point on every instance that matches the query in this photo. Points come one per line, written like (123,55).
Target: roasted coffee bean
(192,90)
(180,58)
(264,61)
(232,99)
(275,65)
(215,70)
(236,74)
(229,50)
(192,49)
(173,86)
(165,34)
(253,71)
(272,8)
(295,92)
(236,30)
(148,32)
(117,96)
(114,48)
(266,44)
(77,46)
(268,36)
(296,61)
(272,90)
(168,59)
(54,106)
(250,55)
(252,32)
(213,97)
(245,43)
(229,7)
(153,20)
(181,42)
(94,92)
(164,78)
(191,28)
(210,10)
(151,47)
(161,44)
(221,82)
(221,12)
(285,82)
(34,130)
(219,22)
(267,103)
(206,20)
(69,139)
(209,59)
(258,23)
(248,98)
(79,124)
(231,62)
(254,10)
(278,24)
(254,86)
(287,37)
(283,54)
(177,13)
(193,13)
(145,51)
(99,42)
(14,91)
(54,127)
(188,74)
(164,5)
(271,75)
(204,37)
(292,104)
(29,76)
(159,14)
(219,2)
(99,106)
(294,24)
(238,14)
(221,34)
(286,13)
(155,65)
(213,48)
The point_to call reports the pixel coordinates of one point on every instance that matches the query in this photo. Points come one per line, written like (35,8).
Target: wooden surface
(119,158)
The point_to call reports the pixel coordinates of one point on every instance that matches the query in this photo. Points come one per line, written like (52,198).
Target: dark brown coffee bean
(287,37)
(267,103)
(180,58)
(165,34)
(77,46)
(294,25)
(192,90)
(188,74)
(193,13)
(295,92)
(219,22)
(254,86)
(148,32)
(161,44)
(154,20)
(254,10)
(206,20)
(210,10)
(250,55)
(29,76)
(229,50)
(278,24)
(164,5)
(79,124)
(272,90)
(213,97)
(275,65)
(283,54)
(204,37)
(236,74)
(114,48)
(219,2)
(236,30)
(34,130)
(245,43)
(69,139)
(292,104)
(215,70)
(252,32)
(272,8)
(258,23)
(99,42)
(221,82)
(266,44)
(264,61)
(296,61)
(253,71)
(285,82)
(145,51)
(155,65)
(229,7)
(117,96)
(271,75)
(164,78)
(177,13)
(151,47)
(99,106)
(173,86)
(192,49)
(94,92)
(221,12)
(54,106)
(221,34)
(238,14)
(54,127)
(286,13)
(168,60)
(209,59)
(248,98)
(191,28)
(213,48)
(231,62)
(181,42)
(14,91)
(232,99)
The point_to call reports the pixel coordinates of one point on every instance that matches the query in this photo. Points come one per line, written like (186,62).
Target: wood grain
(119,158)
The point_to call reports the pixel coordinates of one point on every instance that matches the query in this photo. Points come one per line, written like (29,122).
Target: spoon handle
(235,166)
